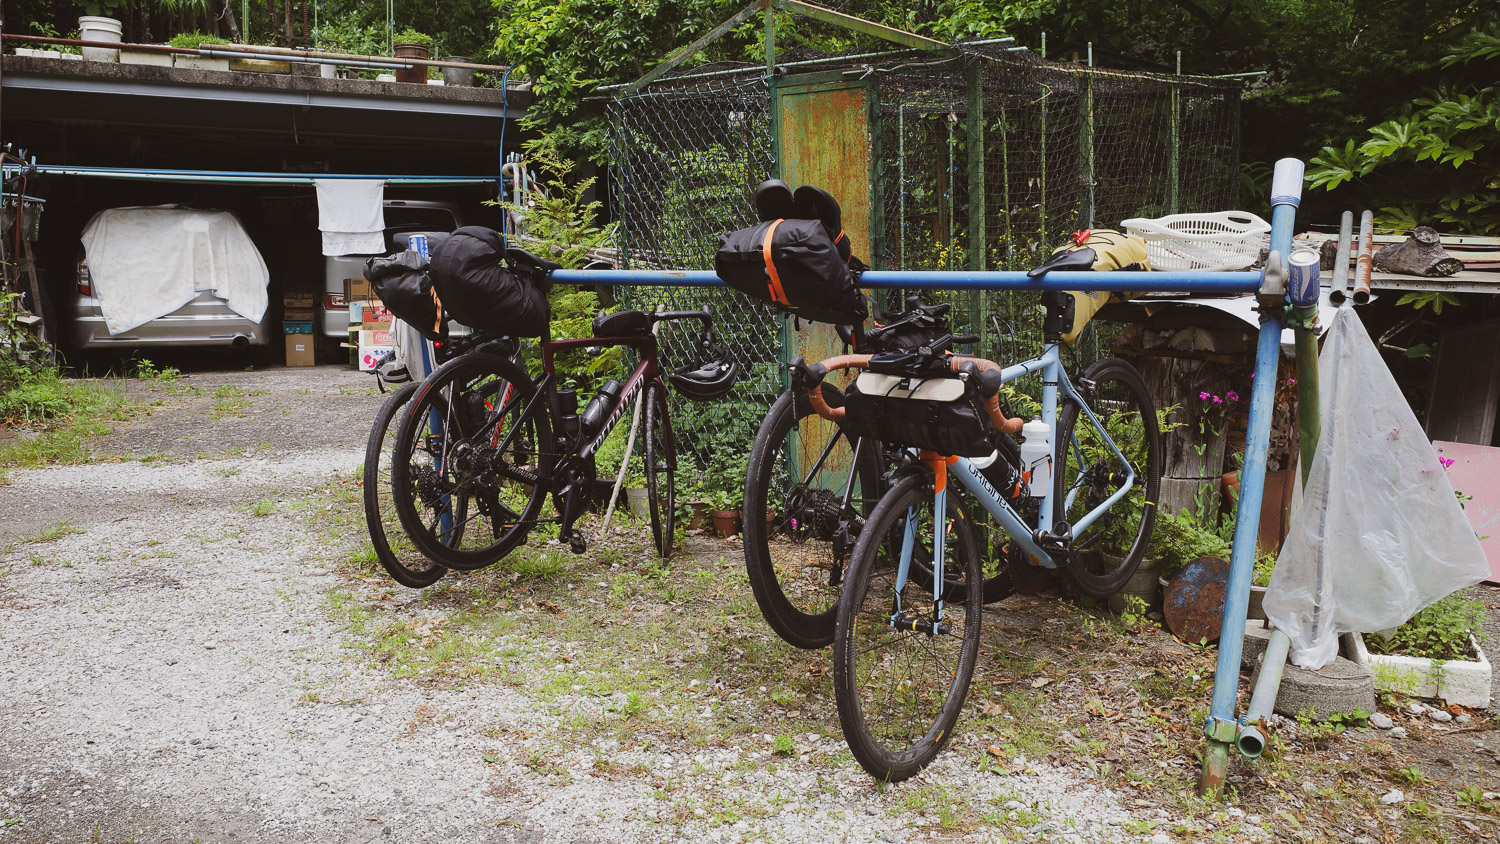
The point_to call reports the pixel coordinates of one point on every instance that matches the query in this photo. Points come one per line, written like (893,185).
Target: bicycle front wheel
(1095,456)
(661,466)
(815,487)
(470,467)
(902,662)
(395,551)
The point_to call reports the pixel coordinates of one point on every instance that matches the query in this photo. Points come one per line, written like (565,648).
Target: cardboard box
(370,356)
(358,290)
(375,337)
(300,350)
(297,314)
(299,300)
(296,326)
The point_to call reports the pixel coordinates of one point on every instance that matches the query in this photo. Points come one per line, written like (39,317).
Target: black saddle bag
(794,265)
(480,290)
(941,414)
(405,288)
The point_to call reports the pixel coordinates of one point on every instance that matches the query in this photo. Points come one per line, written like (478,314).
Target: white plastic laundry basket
(1223,240)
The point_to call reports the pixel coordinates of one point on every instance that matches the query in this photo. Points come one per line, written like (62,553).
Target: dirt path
(205,653)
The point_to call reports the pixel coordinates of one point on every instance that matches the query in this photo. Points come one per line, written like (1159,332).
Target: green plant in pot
(692,501)
(410,44)
(724,481)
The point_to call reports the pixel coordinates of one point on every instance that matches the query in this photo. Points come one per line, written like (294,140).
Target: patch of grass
(148,371)
(535,565)
(227,471)
(263,507)
(65,413)
(228,407)
(228,391)
(783,746)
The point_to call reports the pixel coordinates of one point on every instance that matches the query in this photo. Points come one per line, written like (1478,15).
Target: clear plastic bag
(1377,534)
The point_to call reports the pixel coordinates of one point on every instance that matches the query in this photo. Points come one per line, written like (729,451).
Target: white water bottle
(1036,457)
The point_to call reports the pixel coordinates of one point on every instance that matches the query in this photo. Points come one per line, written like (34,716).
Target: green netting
(988,159)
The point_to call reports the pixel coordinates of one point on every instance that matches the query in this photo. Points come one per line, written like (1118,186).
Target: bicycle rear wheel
(396,553)
(661,466)
(1089,471)
(900,687)
(801,468)
(468,480)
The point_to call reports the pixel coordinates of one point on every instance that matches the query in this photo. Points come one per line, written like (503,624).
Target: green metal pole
(1088,142)
(1176,151)
(978,242)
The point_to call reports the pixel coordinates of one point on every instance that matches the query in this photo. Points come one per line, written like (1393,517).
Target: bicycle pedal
(577,542)
(1056,540)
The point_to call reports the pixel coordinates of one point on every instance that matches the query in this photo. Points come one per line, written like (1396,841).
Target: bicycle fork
(900,619)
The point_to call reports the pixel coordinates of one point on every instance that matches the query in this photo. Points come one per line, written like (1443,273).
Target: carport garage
(110,135)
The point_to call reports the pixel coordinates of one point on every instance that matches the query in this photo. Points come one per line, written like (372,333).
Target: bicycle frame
(1055,383)
(648,370)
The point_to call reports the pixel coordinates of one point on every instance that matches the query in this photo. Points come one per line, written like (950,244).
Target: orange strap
(839,238)
(777,294)
(437,324)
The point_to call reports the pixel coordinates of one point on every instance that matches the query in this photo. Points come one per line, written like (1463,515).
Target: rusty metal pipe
(1364,262)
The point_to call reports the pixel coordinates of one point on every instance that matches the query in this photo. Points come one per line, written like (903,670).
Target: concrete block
(143,57)
(1464,682)
(1257,634)
(199,62)
(1340,686)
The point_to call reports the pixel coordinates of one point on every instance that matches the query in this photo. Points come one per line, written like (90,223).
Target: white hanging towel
(351,216)
(146,262)
(1377,535)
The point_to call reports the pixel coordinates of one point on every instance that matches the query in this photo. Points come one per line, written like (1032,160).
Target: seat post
(1059,319)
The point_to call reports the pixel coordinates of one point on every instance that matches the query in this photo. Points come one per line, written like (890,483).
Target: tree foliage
(1438,155)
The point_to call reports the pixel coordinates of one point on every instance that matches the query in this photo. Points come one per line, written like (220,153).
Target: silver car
(403,218)
(205,321)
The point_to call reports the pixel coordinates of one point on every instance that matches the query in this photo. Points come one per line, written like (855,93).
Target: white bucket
(94,28)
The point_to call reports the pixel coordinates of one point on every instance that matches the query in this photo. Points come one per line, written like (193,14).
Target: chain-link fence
(986,159)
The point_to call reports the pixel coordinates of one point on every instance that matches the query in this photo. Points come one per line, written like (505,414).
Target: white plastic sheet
(1378,533)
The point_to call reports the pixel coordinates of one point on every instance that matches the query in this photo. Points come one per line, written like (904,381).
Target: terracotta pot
(698,517)
(726,522)
(417,75)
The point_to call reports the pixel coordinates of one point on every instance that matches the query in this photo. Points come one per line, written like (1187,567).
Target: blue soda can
(417,243)
(1303,274)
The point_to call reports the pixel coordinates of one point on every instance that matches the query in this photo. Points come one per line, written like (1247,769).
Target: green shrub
(189,40)
(411,36)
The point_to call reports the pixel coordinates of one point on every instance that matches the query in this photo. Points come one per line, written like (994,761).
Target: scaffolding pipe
(1221,727)
(1339,292)
(1365,261)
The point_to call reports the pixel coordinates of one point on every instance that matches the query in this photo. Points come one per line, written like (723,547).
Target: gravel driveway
(193,652)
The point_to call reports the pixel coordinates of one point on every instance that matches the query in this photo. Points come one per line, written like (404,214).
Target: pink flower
(1291,382)
(1203,395)
(1232,395)
(1446,462)
(1218,400)
(794,524)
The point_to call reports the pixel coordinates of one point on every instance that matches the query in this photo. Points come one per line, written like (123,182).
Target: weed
(228,391)
(228,407)
(227,471)
(782,746)
(1412,775)
(52,533)
(1472,797)
(535,565)
(263,507)
(148,371)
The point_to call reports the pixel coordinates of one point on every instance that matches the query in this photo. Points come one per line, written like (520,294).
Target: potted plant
(692,502)
(1265,563)
(726,512)
(1435,654)
(411,44)
(635,493)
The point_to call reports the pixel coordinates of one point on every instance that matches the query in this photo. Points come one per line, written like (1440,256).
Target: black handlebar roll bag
(794,265)
(481,291)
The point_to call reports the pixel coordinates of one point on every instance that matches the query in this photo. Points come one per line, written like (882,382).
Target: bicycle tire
(795,571)
(897,715)
(660,459)
(444,476)
(1118,396)
(404,563)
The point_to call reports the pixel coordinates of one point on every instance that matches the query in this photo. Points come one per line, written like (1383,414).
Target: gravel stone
(1391,797)
(1398,732)
(1381,722)
(1441,716)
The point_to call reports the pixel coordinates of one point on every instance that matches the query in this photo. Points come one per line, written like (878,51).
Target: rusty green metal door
(823,138)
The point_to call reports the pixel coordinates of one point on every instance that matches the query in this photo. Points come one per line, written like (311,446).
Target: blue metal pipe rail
(1184,282)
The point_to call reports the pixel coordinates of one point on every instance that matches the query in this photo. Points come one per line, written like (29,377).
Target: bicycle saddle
(1079,259)
(520,257)
(622,324)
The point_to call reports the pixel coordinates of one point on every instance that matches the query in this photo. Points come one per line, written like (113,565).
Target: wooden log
(1421,254)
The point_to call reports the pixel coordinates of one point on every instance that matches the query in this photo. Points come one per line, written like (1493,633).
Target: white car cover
(146,262)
